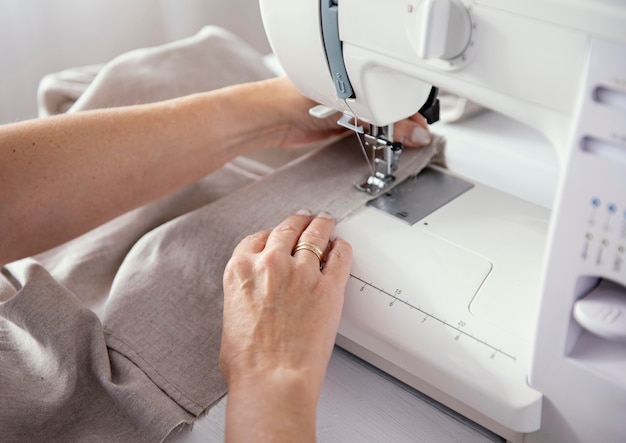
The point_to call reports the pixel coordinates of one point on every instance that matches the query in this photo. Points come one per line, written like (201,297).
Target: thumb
(412,133)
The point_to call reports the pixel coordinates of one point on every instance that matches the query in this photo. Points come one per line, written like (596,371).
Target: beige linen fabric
(210,59)
(115,335)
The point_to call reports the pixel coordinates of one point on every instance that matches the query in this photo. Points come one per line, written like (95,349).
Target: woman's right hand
(281,315)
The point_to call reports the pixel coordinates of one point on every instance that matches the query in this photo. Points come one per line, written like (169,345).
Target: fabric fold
(114,336)
(60,382)
(166,300)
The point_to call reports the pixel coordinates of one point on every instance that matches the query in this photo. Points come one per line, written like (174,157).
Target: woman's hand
(303,129)
(281,315)
(106,158)
(413,132)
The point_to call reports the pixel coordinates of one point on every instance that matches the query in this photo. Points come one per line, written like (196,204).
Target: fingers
(413,131)
(305,301)
(302,229)
(338,261)
(284,236)
(315,238)
(305,237)
(253,244)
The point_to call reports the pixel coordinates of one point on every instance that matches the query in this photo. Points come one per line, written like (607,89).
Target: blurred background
(38,37)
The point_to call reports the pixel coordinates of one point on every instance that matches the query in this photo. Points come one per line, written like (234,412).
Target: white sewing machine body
(483,301)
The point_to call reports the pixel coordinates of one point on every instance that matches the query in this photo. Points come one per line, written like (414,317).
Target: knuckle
(345,247)
(314,235)
(237,262)
(341,250)
(254,237)
(236,270)
(286,228)
(272,259)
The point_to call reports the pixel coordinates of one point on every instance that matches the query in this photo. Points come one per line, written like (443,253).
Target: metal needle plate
(420,195)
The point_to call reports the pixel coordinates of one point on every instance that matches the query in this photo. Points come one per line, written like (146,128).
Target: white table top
(361,403)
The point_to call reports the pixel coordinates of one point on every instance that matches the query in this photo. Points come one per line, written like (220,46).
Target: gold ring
(308,246)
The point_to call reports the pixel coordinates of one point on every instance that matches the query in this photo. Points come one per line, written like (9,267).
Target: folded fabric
(115,335)
(57,92)
(100,394)
(208,60)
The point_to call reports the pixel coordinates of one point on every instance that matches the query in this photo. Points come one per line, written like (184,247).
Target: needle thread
(358,136)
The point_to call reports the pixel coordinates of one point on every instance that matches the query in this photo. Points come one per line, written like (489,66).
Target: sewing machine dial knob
(444,29)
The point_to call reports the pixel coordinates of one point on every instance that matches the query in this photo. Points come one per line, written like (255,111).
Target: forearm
(62,176)
(277,407)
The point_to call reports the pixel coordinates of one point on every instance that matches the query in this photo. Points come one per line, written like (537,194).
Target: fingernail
(326,214)
(304,212)
(420,136)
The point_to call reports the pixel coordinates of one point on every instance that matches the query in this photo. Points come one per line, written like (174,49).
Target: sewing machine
(506,312)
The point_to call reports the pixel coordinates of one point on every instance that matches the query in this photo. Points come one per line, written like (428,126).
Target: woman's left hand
(303,129)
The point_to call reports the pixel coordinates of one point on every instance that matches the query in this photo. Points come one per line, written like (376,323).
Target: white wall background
(38,37)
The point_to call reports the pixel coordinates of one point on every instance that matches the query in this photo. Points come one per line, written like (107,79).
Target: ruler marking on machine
(428,315)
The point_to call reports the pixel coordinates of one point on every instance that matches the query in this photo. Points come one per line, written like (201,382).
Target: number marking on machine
(457,327)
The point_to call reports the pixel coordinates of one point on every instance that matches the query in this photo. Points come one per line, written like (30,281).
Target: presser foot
(384,161)
(383,156)
(375,185)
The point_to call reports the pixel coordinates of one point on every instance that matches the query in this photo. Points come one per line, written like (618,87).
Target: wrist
(283,380)
(273,405)
(261,111)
